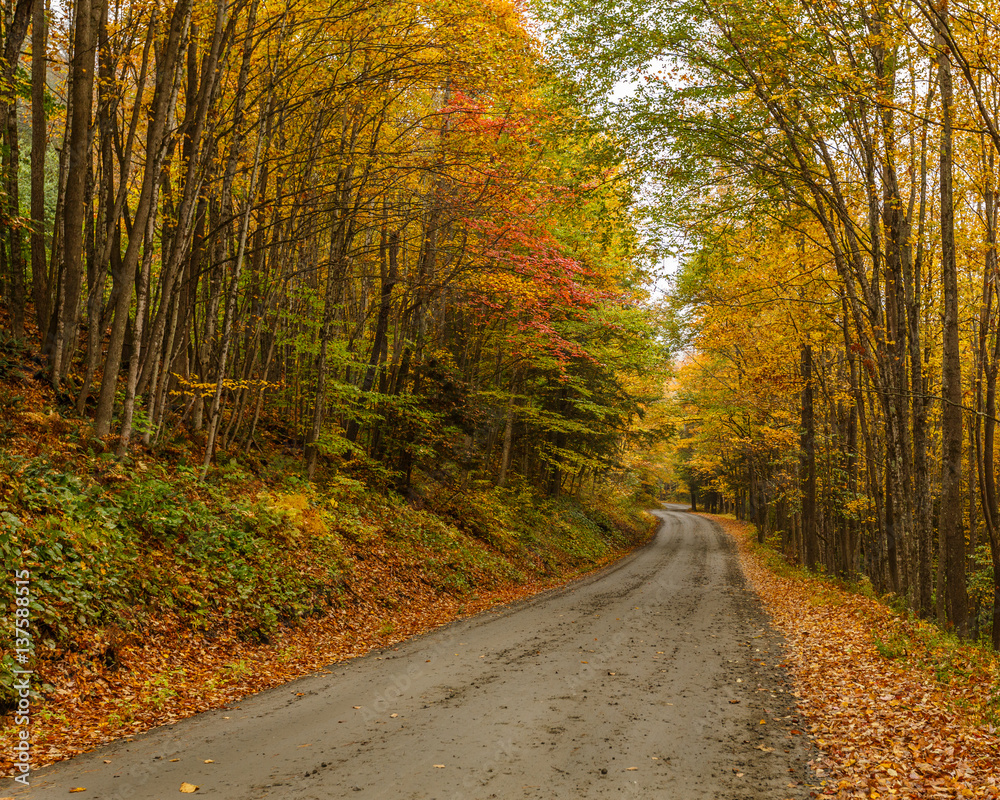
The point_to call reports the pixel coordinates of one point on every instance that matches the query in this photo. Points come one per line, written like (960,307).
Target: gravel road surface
(657,677)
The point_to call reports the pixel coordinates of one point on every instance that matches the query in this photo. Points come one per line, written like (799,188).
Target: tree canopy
(832,169)
(383,235)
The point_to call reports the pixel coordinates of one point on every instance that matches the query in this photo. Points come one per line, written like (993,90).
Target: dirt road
(655,678)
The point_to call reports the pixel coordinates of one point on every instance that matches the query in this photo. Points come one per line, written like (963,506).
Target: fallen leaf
(188,788)
(439,766)
(209,761)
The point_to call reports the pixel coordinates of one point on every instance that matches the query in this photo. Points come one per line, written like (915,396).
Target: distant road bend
(657,677)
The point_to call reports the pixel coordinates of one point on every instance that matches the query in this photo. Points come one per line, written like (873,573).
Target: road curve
(657,677)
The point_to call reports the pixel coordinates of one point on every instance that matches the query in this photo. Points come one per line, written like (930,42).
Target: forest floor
(896,708)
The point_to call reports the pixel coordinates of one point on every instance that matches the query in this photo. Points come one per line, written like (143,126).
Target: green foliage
(894,648)
(202,552)
(981,587)
(528,528)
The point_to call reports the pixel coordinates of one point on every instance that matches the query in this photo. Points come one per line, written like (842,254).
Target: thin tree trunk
(227,325)
(75,207)
(164,93)
(40,289)
(808,462)
(389,277)
(15,238)
(952,535)
(508,437)
(988,460)
(319,402)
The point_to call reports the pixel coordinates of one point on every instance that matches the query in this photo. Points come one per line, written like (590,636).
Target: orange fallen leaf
(439,766)
(209,761)
(188,788)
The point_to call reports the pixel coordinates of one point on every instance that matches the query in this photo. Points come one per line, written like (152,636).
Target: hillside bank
(155,595)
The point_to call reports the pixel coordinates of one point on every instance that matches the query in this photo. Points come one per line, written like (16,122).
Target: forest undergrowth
(896,707)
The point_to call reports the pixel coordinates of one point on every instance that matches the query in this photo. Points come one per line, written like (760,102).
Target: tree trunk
(164,92)
(227,324)
(389,278)
(508,438)
(15,238)
(953,537)
(808,463)
(40,289)
(75,206)
(987,460)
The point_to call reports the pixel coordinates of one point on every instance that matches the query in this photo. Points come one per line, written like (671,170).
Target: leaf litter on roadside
(885,726)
